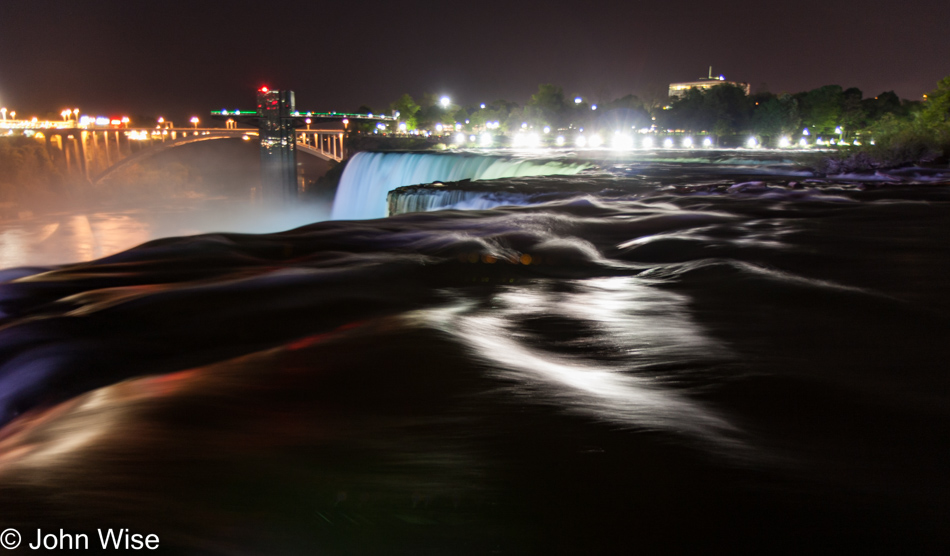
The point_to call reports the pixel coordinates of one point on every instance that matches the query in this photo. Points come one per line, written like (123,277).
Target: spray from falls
(369,177)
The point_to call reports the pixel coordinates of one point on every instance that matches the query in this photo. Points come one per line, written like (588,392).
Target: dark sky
(178,58)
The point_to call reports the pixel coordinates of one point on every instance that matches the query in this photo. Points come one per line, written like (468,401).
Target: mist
(50,218)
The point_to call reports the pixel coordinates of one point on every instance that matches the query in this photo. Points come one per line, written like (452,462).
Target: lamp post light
(195,120)
(3,113)
(65,115)
(76,114)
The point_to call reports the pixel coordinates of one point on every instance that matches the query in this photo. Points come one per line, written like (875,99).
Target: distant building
(677,90)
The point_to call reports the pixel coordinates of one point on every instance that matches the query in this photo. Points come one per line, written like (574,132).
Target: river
(606,354)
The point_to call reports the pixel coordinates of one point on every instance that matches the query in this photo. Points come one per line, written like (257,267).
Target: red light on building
(263,89)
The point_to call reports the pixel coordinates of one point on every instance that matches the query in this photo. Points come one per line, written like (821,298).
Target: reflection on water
(753,367)
(86,235)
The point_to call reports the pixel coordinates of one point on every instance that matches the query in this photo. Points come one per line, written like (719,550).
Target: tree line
(720,111)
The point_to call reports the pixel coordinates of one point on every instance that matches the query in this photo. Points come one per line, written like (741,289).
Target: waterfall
(369,177)
(424,200)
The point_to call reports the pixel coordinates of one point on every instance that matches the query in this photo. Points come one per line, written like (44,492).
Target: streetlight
(75,113)
(444,101)
(3,112)
(195,120)
(64,114)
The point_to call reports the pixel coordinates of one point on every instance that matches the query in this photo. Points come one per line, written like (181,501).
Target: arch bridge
(93,153)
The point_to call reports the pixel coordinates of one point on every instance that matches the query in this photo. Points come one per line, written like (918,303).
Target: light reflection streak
(640,323)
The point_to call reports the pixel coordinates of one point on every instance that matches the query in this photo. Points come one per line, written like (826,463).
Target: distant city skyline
(181,58)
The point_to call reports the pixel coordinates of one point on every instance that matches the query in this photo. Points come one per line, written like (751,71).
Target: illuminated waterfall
(369,177)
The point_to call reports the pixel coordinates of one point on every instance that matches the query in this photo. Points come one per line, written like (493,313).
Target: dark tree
(821,108)
(547,107)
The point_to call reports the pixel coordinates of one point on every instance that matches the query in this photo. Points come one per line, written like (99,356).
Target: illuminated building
(677,90)
(278,143)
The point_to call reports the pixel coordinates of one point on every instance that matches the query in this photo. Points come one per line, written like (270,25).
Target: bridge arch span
(324,145)
(165,146)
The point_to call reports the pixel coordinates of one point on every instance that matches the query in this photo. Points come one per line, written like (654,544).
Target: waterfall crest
(369,177)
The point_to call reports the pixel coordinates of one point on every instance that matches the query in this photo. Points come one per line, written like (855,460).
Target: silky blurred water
(86,234)
(651,357)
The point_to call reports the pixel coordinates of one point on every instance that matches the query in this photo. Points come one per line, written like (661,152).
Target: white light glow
(444,101)
(581,141)
(621,141)
(596,140)
(559,141)
(647,142)
(707,142)
(751,143)
(784,142)
(668,143)
(687,142)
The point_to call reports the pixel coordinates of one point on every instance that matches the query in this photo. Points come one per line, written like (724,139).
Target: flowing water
(639,356)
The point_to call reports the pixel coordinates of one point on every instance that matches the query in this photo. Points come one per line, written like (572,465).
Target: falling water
(370,176)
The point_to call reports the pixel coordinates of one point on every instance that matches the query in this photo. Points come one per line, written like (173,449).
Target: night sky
(178,58)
